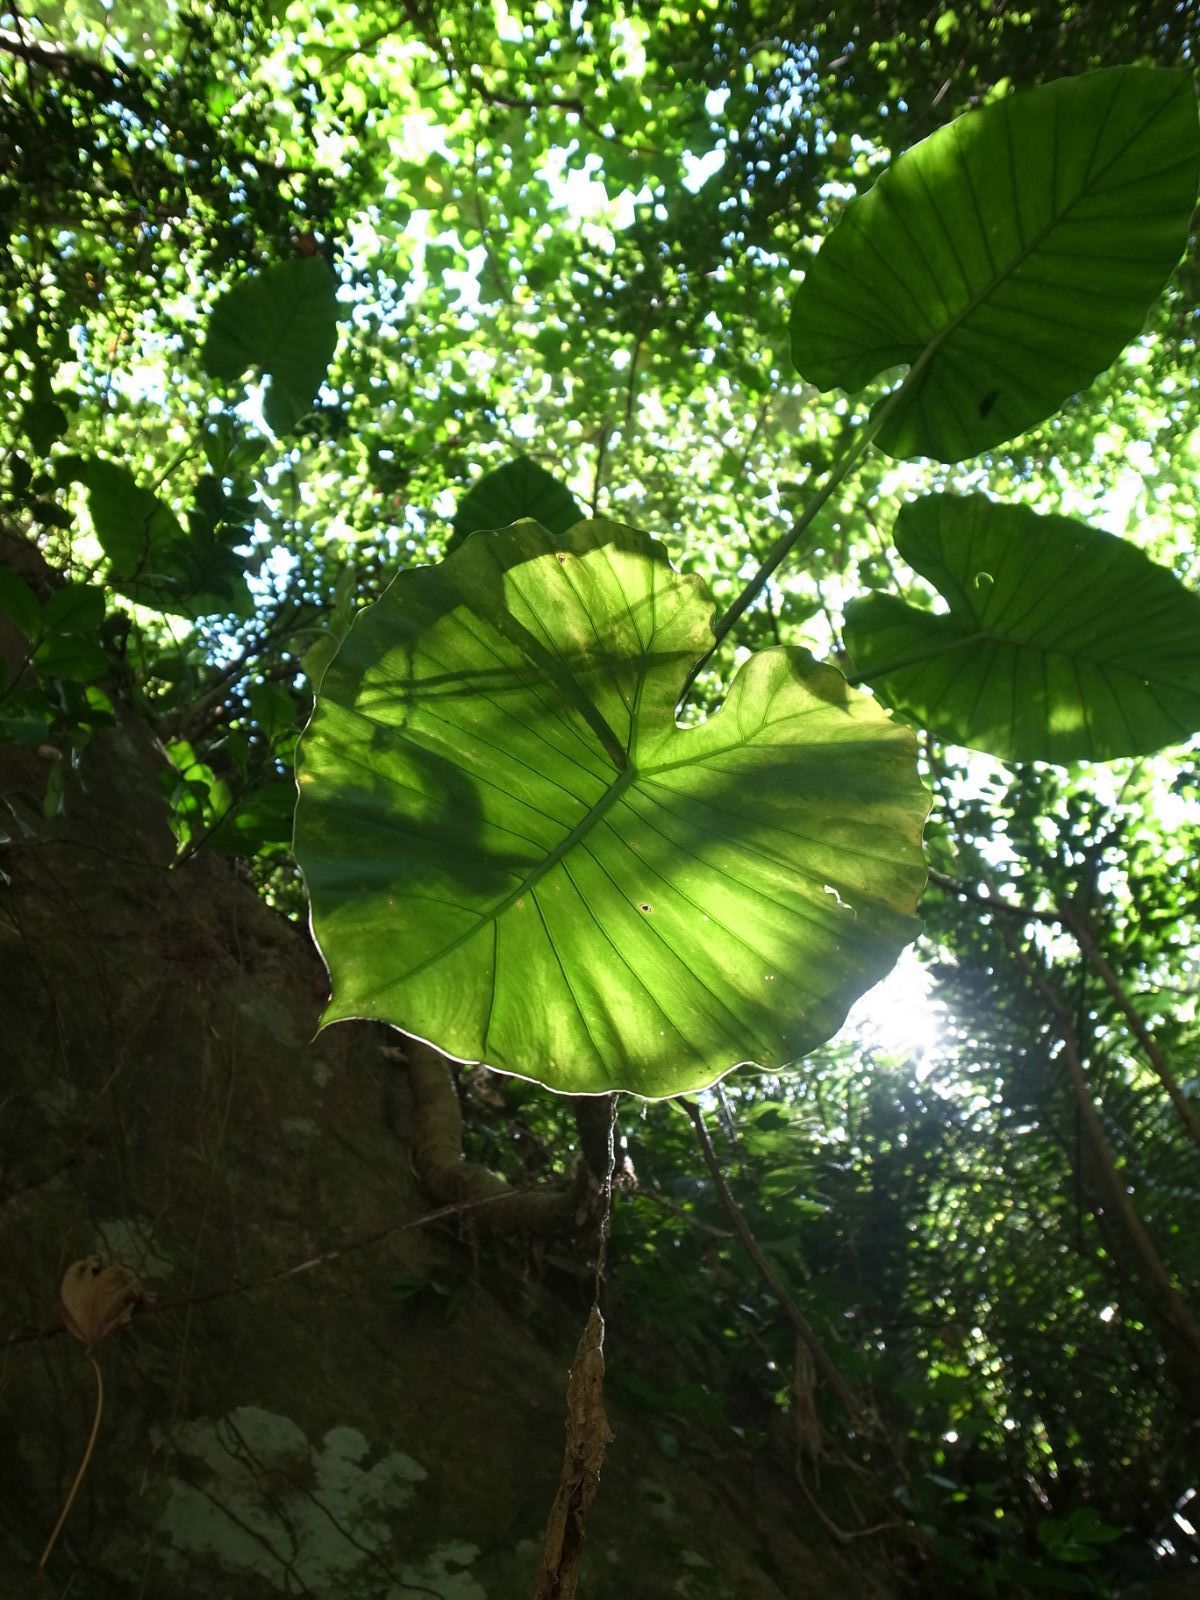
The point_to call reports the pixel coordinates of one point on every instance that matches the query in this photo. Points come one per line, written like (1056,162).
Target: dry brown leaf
(96,1299)
(588,1434)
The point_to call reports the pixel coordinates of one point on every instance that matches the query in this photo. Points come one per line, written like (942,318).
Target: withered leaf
(96,1298)
(588,1434)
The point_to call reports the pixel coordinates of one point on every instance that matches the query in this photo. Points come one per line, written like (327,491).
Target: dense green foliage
(577,238)
(511,847)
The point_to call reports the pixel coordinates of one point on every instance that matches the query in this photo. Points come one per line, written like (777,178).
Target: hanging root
(449,1179)
(83,1465)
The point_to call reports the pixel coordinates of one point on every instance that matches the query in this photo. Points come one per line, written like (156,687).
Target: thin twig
(992,902)
(606,1198)
(1161,1293)
(598,480)
(279,1274)
(681,1212)
(639,341)
(587,1429)
(788,541)
(840,1534)
(185,723)
(1080,926)
(795,1316)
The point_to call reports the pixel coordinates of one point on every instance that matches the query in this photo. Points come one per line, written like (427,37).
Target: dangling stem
(83,1465)
(800,1323)
(788,541)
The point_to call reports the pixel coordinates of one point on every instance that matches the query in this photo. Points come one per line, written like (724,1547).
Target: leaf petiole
(788,541)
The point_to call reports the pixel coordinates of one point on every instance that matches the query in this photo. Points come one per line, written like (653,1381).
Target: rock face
(164,1105)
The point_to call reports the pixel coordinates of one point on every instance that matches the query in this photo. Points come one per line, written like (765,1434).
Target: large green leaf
(518,490)
(152,558)
(132,524)
(1013,254)
(514,852)
(19,603)
(261,819)
(1062,643)
(284,322)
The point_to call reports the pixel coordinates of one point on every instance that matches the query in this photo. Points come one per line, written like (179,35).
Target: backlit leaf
(1062,643)
(514,852)
(1011,256)
(284,323)
(153,558)
(511,493)
(19,603)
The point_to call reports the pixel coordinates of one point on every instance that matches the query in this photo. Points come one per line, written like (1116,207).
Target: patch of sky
(580,190)
(509,28)
(629,35)
(697,170)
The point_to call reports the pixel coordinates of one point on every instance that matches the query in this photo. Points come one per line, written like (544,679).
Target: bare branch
(821,1359)
(1080,926)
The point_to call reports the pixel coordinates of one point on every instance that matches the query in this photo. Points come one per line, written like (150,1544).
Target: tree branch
(280,1274)
(1080,926)
(993,902)
(821,1359)
(438,1157)
(1162,1296)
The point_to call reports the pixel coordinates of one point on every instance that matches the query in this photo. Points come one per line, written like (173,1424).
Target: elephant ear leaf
(1007,259)
(514,852)
(1062,643)
(517,491)
(284,323)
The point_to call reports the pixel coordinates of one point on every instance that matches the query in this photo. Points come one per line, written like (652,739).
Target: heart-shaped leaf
(152,558)
(68,655)
(513,492)
(514,852)
(284,322)
(19,603)
(1062,643)
(1010,257)
(44,423)
(134,527)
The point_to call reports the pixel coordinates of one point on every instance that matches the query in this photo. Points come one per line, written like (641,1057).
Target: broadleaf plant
(1062,643)
(513,850)
(1008,258)
(518,490)
(284,323)
(152,558)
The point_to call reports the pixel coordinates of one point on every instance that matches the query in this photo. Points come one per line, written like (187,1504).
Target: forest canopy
(305,305)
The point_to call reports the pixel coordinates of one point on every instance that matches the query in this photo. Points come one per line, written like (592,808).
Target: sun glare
(900,1015)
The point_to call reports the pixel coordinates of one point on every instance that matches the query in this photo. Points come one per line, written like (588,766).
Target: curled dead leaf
(588,1435)
(96,1298)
